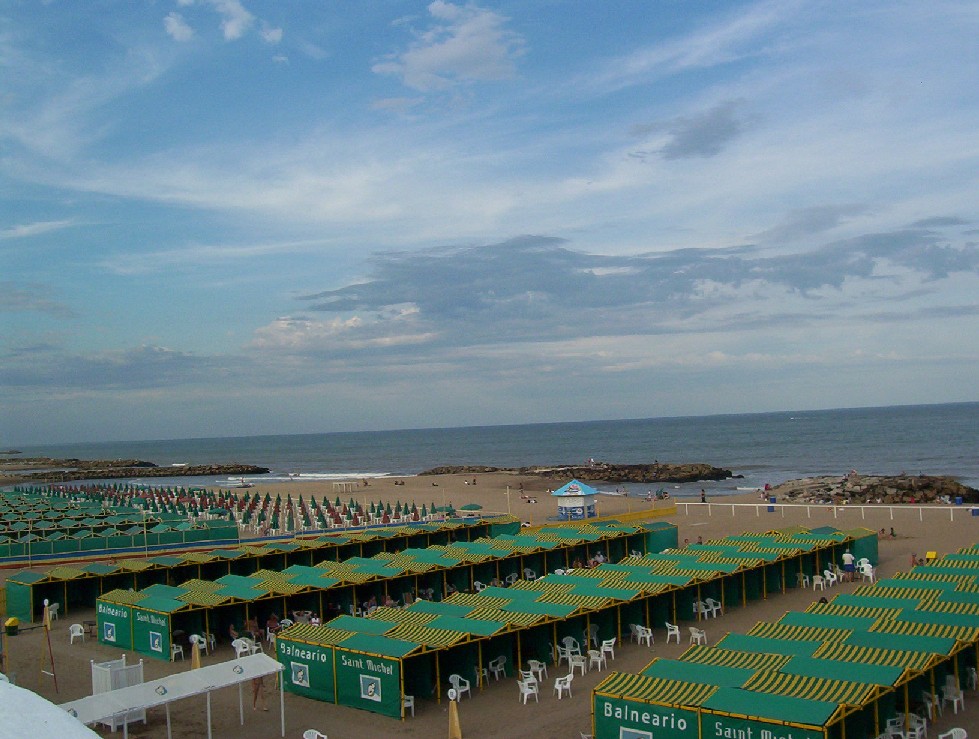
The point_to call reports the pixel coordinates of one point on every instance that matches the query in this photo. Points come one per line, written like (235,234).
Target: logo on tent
(108,632)
(300,674)
(370,688)
(156,641)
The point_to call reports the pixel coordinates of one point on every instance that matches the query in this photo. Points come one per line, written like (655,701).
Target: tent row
(371,662)
(78,586)
(150,620)
(838,670)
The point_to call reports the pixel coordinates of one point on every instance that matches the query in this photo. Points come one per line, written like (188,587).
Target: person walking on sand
(258,693)
(703,495)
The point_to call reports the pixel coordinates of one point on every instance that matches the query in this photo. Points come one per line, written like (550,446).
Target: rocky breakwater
(46,469)
(854,489)
(656,472)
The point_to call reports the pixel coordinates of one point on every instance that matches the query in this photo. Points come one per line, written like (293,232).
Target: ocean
(760,447)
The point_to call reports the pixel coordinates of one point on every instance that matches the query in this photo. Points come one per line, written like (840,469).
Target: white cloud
(470,44)
(33,229)
(177,27)
(270,35)
(235,20)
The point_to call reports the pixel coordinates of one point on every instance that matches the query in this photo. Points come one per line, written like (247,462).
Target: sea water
(762,448)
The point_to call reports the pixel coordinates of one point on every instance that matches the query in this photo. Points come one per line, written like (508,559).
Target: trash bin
(771,508)
(958,500)
(12,625)
(975,511)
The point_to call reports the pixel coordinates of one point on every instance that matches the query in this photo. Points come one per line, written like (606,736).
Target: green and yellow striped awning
(321,635)
(875,591)
(65,572)
(911,628)
(654,690)
(430,638)
(135,565)
(205,585)
(510,618)
(915,661)
(734,658)
(921,573)
(832,609)
(402,616)
(812,688)
(477,600)
(799,633)
(943,606)
(279,586)
(203,597)
(123,597)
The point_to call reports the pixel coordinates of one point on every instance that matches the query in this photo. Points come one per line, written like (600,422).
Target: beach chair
(176,649)
(671,631)
(529,574)
(313,734)
(647,635)
(634,632)
(461,685)
(579,661)
(596,658)
(538,668)
(932,704)
(714,606)
(955,696)
(408,704)
(802,579)
(562,684)
(698,636)
(497,667)
(528,688)
(608,647)
(591,635)
(830,578)
(955,733)
(571,644)
(76,630)
(818,582)
(511,579)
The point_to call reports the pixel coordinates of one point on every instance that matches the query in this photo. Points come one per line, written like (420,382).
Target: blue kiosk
(576,501)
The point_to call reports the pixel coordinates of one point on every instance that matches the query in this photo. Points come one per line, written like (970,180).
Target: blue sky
(227,217)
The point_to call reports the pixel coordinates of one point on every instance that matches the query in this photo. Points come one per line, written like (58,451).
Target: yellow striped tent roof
(875,591)
(812,688)
(581,602)
(65,572)
(510,618)
(323,635)
(968,587)
(134,565)
(467,555)
(655,690)
(476,600)
(799,633)
(281,587)
(921,574)
(196,584)
(959,633)
(431,638)
(402,616)
(122,597)
(916,661)
(545,585)
(734,658)
(941,606)
(203,597)
(832,609)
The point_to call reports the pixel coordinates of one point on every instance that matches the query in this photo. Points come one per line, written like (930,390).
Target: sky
(232,217)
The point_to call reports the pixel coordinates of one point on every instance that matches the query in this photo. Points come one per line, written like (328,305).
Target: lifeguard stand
(576,501)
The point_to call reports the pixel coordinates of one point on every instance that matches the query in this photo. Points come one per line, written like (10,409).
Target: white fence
(837,511)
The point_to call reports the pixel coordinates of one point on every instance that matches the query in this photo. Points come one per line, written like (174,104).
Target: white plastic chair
(608,647)
(597,659)
(497,667)
(53,609)
(714,606)
(818,582)
(830,578)
(867,572)
(176,649)
(698,636)
(408,704)
(461,685)
(562,684)
(698,610)
(634,632)
(571,644)
(529,574)
(478,586)
(285,623)
(313,734)
(538,668)
(558,571)
(563,655)
(511,579)
(211,641)
(972,678)
(528,688)
(955,733)
(671,631)
(76,630)
(932,704)
(802,579)
(580,661)
(241,647)
(955,696)
(647,635)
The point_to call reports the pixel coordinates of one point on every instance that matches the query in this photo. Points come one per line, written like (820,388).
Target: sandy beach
(496,710)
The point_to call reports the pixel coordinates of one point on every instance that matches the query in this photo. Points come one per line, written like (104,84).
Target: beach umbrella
(471,507)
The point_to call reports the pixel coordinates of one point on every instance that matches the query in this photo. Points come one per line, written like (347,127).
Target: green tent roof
(696,672)
(767,706)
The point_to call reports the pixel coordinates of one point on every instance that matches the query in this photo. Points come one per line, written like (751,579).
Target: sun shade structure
(151,619)
(181,685)
(79,585)
(837,670)
(430,640)
(576,501)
